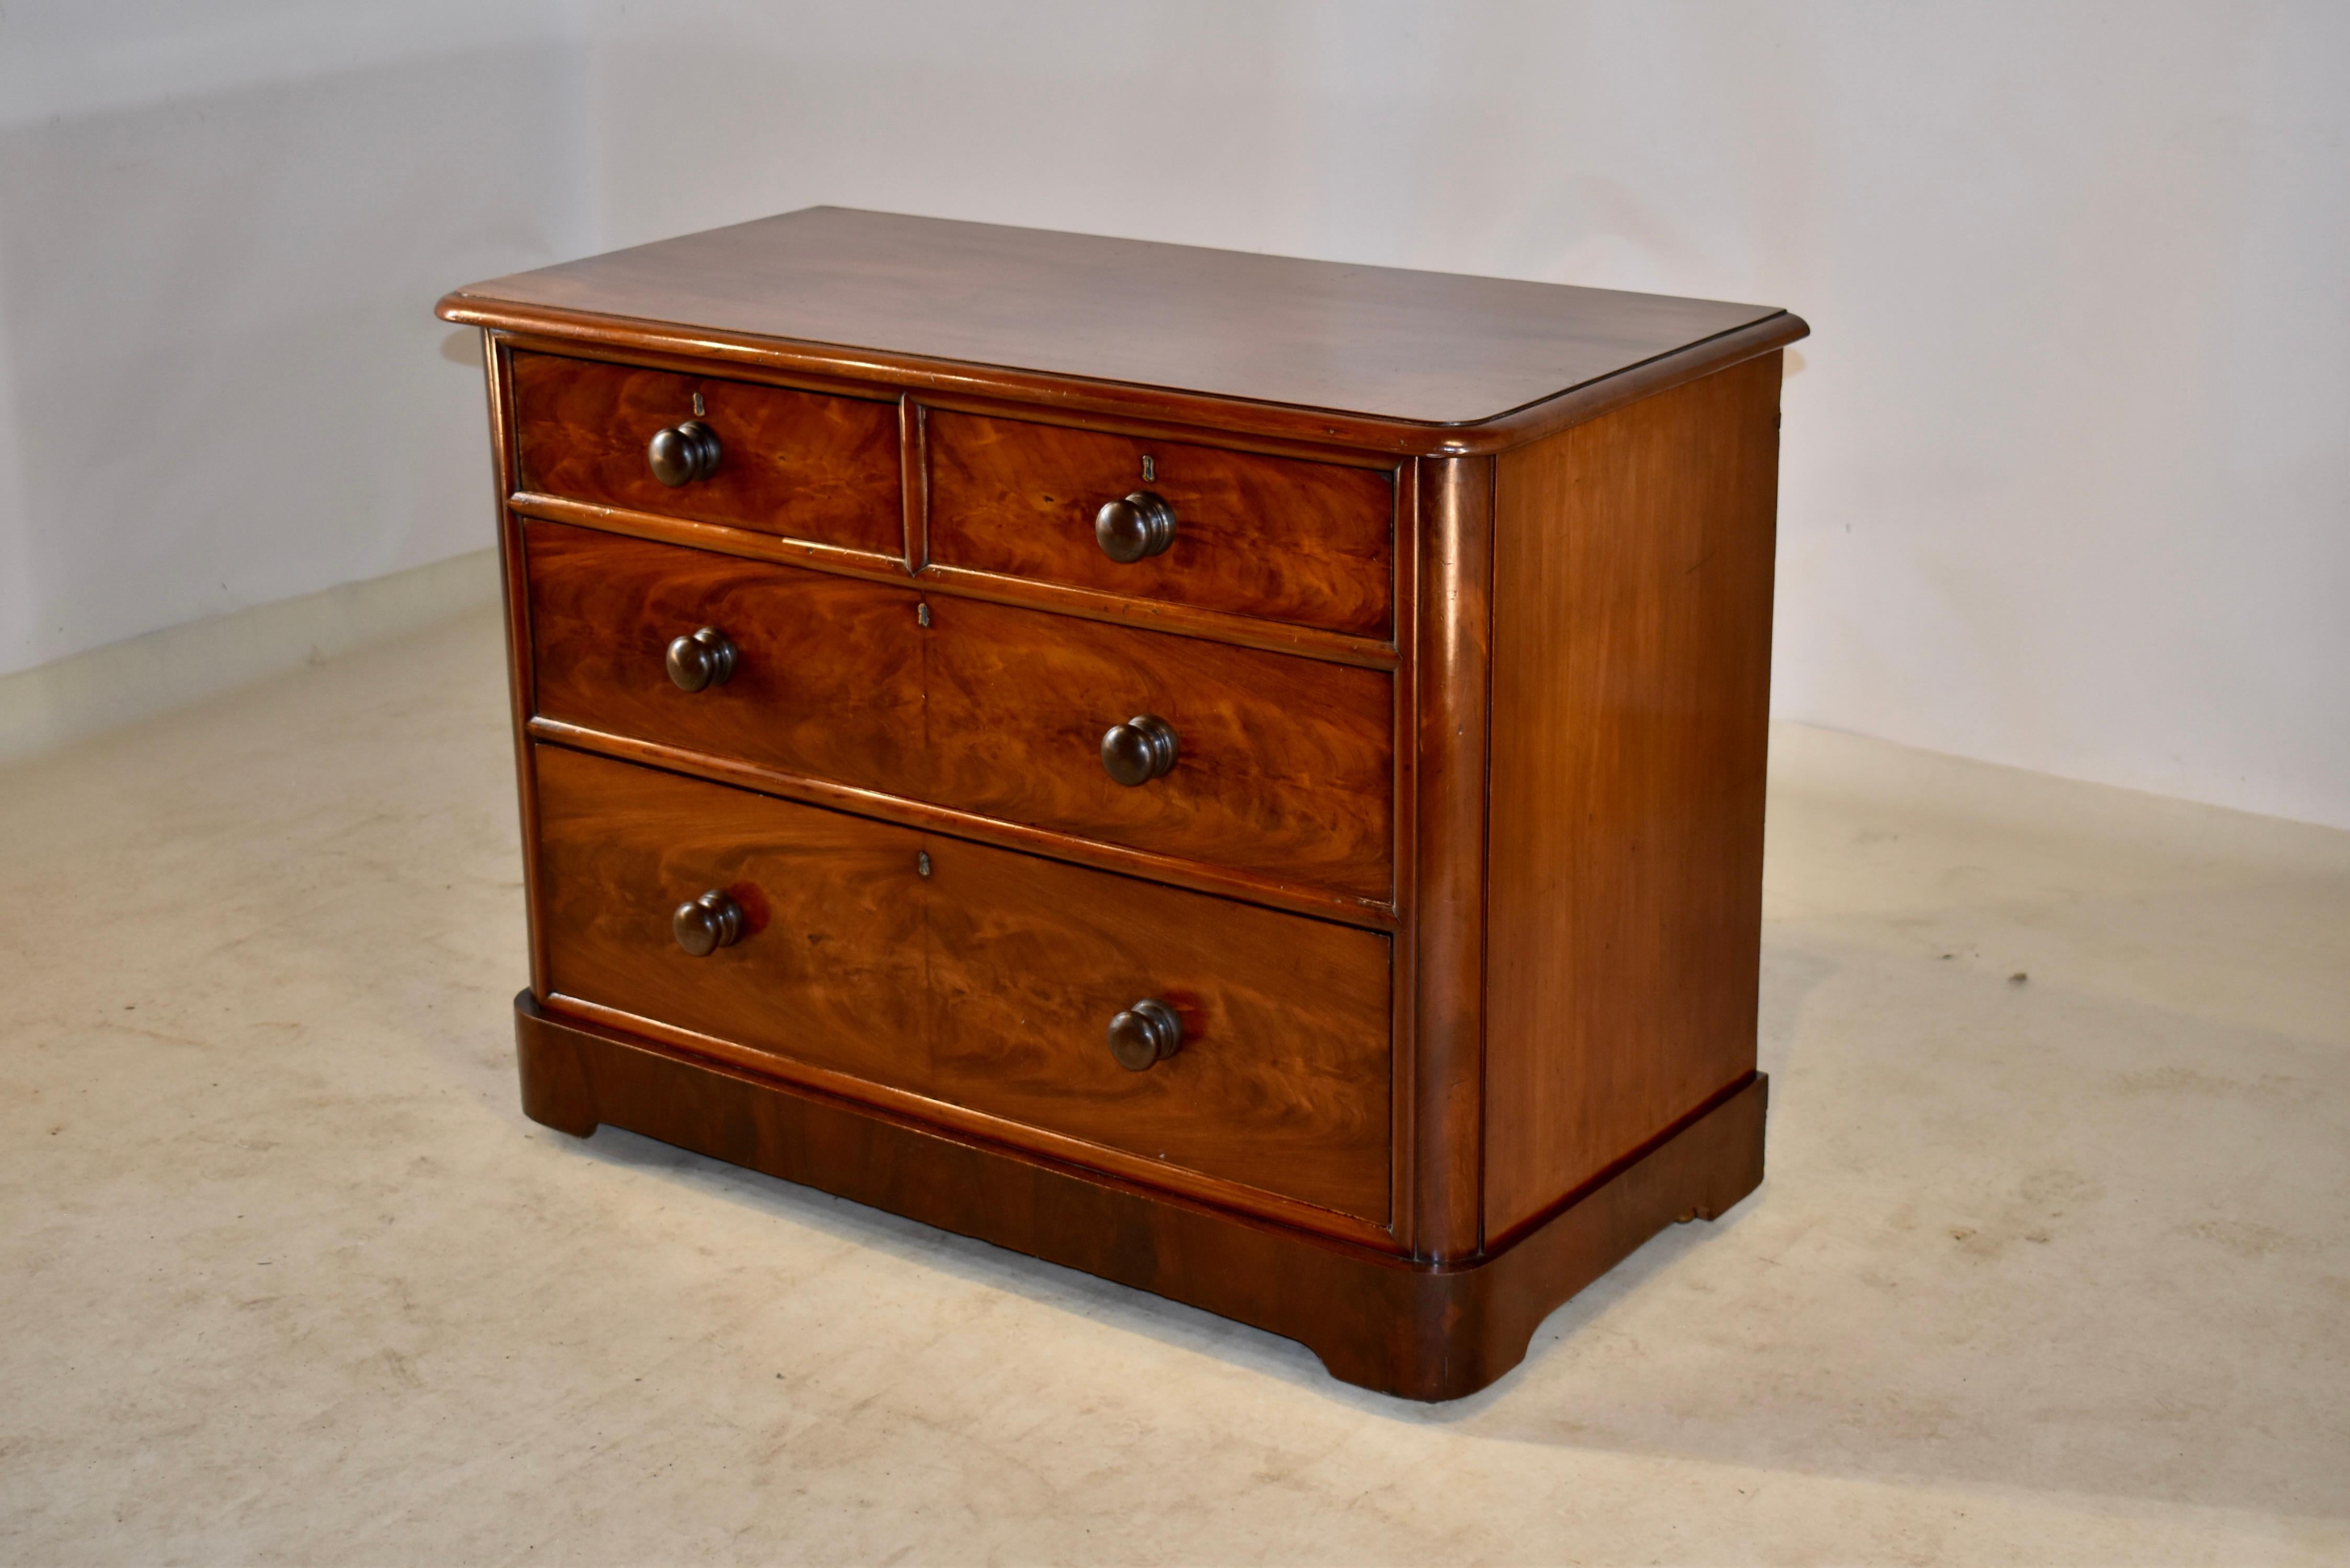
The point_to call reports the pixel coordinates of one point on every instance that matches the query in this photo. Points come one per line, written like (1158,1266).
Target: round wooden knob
(1141,750)
(1146,1032)
(700,658)
(704,925)
(683,454)
(1138,525)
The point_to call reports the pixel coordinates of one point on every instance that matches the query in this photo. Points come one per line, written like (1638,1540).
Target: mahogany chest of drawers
(1240,775)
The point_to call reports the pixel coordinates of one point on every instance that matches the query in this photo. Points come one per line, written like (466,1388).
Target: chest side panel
(1632,576)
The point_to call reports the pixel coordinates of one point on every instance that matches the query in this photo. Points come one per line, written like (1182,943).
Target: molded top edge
(996,308)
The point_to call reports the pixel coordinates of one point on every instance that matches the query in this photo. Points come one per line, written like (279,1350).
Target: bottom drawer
(978,978)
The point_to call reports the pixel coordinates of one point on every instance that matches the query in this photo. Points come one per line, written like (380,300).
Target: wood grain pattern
(1112,405)
(913,483)
(719,538)
(1200,876)
(1452,663)
(1082,603)
(1255,535)
(1435,348)
(830,968)
(516,628)
(1159,615)
(828,669)
(797,464)
(987,983)
(1455,883)
(1632,564)
(1282,1082)
(1286,765)
(1380,1320)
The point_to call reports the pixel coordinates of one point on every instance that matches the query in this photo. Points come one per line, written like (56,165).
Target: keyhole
(921,614)
(1149,464)
(697,405)
(922,861)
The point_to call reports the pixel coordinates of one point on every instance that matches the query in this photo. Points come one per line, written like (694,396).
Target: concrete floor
(2047,1269)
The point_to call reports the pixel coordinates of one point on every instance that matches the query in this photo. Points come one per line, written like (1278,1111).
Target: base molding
(67,700)
(1376,1320)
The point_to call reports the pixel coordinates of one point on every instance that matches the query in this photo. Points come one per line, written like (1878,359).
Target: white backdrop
(2067,463)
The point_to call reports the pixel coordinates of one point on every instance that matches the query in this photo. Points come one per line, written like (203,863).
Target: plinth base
(1386,1323)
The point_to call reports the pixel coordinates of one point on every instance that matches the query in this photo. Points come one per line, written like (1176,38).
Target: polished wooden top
(1429,348)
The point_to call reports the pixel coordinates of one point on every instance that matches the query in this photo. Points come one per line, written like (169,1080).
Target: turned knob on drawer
(703,925)
(1141,750)
(1134,526)
(1148,1032)
(683,454)
(700,658)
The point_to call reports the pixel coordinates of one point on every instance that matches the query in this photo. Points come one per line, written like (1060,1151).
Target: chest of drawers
(1240,775)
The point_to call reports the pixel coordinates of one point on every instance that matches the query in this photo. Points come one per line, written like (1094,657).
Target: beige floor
(2047,1269)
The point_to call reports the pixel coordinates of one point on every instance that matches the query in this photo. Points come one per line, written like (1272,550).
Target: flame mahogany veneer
(1410,981)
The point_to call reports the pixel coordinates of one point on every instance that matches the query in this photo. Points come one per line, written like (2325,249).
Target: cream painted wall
(223,226)
(2067,463)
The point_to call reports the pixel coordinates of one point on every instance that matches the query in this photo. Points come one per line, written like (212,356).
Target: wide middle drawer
(1281,766)
(977,977)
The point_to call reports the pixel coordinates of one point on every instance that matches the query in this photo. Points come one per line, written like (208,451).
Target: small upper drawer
(797,464)
(1276,538)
